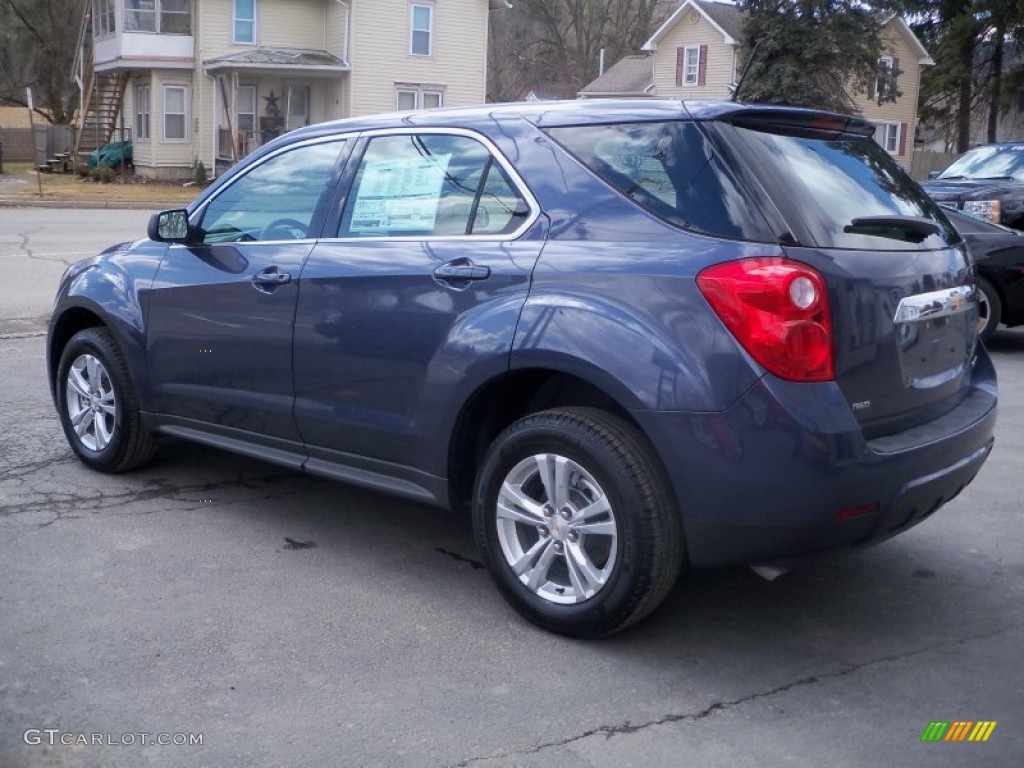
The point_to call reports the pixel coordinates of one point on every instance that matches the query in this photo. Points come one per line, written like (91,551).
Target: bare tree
(557,44)
(37,48)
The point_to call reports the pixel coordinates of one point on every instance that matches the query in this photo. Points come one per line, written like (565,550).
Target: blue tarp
(111,155)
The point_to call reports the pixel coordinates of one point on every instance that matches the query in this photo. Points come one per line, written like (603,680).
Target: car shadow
(1006,340)
(899,597)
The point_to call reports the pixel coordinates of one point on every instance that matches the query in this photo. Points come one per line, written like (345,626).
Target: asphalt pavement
(284,620)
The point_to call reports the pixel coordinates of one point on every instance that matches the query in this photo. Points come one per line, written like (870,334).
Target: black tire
(990,308)
(640,563)
(111,442)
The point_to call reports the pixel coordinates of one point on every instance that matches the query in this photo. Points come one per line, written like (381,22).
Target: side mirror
(169,227)
(933,175)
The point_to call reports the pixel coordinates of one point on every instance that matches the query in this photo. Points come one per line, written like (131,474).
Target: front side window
(245,21)
(422,30)
(175,112)
(168,17)
(276,200)
(669,170)
(431,185)
(142,112)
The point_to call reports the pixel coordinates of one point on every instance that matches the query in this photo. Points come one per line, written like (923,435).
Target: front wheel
(576,522)
(97,404)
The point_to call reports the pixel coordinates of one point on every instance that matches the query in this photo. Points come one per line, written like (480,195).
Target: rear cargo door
(899,277)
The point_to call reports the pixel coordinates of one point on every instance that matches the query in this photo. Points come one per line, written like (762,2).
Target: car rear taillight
(778,310)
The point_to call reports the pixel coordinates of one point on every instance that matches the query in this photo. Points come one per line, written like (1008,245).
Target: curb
(153,205)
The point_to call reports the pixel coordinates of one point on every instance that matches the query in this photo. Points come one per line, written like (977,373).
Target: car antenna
(746,69)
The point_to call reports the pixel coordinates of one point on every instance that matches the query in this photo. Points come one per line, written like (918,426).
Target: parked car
(986,181)
(999,254)
(628,336)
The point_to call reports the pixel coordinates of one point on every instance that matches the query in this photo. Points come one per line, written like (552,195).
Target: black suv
(987,182)
(629,335)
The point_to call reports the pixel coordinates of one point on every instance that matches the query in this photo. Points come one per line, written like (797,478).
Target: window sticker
(399,195)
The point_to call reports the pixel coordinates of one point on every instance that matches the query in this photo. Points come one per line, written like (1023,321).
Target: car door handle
(462,269)
(270,277)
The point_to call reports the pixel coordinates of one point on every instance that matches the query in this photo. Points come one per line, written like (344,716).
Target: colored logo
(958,730)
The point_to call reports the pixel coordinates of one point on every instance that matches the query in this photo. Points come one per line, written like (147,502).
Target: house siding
(693,29)
(380,53)
(904,109)
(370,35)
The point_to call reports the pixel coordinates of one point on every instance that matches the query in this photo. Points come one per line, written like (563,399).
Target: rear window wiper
(912,229)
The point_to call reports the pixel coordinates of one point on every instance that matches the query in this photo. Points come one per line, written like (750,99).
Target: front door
(221,312)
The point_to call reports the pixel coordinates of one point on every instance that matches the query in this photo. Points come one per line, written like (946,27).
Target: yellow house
(695,55)
(212,80)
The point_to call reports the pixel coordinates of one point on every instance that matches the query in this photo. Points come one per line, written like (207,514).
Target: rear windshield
(669,170)
(825,185)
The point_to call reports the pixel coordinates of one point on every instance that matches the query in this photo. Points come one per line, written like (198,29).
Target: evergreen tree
(814,53)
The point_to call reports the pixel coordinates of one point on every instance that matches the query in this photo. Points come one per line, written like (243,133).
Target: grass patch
(19,183)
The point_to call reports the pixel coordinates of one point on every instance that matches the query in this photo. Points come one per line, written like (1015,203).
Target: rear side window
(431,185)
(668,169)
(826,184)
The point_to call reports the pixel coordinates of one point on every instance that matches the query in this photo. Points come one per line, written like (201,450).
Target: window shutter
(903,138)
(680,58)
(703,65)
(894,74)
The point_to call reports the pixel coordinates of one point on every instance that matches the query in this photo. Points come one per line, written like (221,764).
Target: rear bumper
(786,474)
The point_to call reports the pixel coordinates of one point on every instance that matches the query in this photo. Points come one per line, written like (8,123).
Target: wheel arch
(71,321)
(502,400)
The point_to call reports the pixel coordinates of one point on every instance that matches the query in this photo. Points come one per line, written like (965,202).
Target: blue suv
(630,336)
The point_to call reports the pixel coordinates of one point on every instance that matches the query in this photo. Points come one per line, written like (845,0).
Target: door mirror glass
(169,226)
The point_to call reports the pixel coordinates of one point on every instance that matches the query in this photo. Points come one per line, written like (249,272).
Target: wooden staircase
(101,109)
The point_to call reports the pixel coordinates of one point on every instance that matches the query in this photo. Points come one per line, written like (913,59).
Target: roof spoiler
(801,122)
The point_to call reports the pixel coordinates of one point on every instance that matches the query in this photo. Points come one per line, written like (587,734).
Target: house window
(175,112)
(168,17)
(142,112)
(245,21)
(418,97)
(888,136)
(421,35)
(105,23)
(297,107)
(883,81)
(691,64)
(246,113)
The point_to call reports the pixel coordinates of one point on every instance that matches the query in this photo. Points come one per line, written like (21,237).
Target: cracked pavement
(296,621)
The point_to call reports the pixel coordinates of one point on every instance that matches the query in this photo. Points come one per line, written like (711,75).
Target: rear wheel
(576,522)
(990,309)
(97,404)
